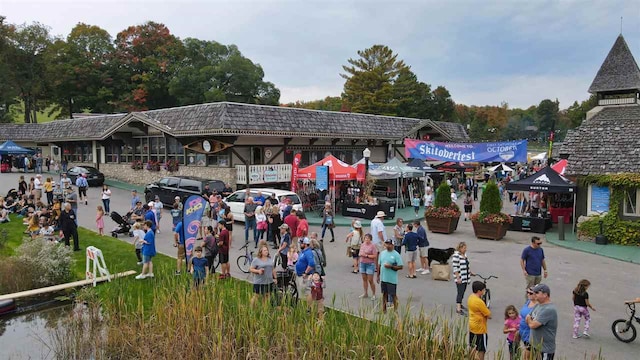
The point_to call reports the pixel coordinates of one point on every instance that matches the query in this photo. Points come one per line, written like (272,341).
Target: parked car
(237,199)
(94,176)
(169,187)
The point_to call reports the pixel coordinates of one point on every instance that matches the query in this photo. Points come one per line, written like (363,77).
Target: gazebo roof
(619,71)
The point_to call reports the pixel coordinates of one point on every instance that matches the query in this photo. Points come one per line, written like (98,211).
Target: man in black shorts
(223,249)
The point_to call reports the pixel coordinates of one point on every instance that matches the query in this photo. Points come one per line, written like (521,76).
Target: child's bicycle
(244,261)
(623,329)
(487,294)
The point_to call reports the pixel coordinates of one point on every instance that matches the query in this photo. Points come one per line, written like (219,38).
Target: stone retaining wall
(124,172)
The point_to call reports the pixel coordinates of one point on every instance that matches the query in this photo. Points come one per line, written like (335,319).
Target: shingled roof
(607,143)
(243,119)
(88,128)
(618,72)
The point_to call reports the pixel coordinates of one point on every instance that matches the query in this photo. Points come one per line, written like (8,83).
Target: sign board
(507,151)
(191,214)
(322,178)
(599,199)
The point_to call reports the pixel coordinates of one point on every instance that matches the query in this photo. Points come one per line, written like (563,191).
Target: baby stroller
(13,193)
(123,226)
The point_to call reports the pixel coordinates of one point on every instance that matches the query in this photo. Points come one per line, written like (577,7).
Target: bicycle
(244,261)
(286,291)
(623,329)
(486,297)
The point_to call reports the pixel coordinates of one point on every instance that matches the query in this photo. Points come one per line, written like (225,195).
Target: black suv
(184,186)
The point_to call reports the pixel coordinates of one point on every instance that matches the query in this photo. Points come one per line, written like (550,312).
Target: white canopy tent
(500,167)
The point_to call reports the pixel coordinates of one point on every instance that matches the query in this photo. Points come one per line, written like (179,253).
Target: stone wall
(124,172)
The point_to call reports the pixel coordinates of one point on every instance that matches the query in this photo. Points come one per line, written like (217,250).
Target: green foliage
(617,231)
(491,202)
(547,115)
(443,196)
(330,103)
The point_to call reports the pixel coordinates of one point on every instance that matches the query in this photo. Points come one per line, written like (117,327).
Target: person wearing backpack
(210,247)
(328,221)
(318,257)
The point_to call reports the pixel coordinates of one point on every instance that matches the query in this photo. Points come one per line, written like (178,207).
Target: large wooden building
(219,140)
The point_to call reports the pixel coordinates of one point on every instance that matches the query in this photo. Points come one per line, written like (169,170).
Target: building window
(175,150)
(631,201)
(219,160)
(78,152)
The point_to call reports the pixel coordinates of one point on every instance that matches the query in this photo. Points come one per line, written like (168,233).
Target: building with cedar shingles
(608,140)
(227,141)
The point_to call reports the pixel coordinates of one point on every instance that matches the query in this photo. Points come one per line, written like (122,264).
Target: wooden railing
(263,174)
(620,101)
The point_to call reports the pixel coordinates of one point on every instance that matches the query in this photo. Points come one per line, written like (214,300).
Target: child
(175,215)
(198,267)
(511,326)
(100,220)
(316,293)
(416,203)
(47,232)
(157,210)
(138,235)
(581,306)
(292,255)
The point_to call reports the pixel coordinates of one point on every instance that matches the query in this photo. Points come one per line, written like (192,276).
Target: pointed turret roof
(618,72)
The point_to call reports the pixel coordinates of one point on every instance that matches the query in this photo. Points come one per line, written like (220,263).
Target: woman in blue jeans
(368,257)
(328,221)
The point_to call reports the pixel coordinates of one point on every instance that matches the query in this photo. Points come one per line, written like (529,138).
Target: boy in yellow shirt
(478,315)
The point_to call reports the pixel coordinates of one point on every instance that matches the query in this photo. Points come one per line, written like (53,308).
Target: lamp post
(366,153)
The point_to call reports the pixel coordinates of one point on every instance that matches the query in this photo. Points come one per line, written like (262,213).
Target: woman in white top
(354,239)
(261,223)
(398,235)
(157,210)
(106,198)
(454,196)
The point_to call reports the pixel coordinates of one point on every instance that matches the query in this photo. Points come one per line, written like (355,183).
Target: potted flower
(153,165)
(171,165)
(444,215)
(490,222)
(136,165)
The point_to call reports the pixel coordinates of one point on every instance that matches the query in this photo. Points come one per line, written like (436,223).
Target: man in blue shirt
(148,251)
(150,216)
(134,199)
(259,199)
(178,238)
(532,262)
(423,245)
(305,266)
(82,184)
(389,262)
(410,242)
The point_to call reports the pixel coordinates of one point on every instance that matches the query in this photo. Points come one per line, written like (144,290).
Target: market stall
(324,173)
(548,181)
(9,148)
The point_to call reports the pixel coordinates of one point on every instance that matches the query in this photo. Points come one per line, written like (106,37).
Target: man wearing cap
(305,265)
(134,199)
(285,242)
(389,262)
(65,182)
(137,213)
(543,322)
(378,232)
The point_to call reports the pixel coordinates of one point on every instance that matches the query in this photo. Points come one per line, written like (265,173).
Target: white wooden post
(94,255)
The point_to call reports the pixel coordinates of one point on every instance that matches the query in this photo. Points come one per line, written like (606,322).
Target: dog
(440,255)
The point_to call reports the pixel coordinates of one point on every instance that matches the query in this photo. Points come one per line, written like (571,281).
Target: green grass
(17,110)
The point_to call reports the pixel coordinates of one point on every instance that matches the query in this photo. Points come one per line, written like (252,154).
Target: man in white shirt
(377,231)
(37,184)
(428,198)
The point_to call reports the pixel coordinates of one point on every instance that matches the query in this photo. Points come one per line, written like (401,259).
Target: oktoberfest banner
(191,216)
(507,151)
(294,171)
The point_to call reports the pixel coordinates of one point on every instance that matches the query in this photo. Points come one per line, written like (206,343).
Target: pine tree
(443,196)
(491,202)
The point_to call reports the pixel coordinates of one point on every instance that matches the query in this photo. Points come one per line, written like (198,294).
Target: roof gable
(618,72)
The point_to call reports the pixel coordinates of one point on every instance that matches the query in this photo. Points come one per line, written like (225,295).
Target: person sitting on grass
(198,268)
(4,216)
(148,251)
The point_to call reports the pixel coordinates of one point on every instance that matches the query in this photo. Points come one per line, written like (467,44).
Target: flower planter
(489,231)
(442,225)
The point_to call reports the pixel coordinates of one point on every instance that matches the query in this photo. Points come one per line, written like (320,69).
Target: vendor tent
(451,166)
(11,148)
(500,168)
(541,156)
(560,166)
(396,166)
(362,161)
(420,165)
(338,170)
(545,180)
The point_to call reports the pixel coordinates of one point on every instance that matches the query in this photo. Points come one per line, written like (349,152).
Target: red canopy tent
(560,166)
(338,170)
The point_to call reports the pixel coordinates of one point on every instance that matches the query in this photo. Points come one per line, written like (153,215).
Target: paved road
(612,280)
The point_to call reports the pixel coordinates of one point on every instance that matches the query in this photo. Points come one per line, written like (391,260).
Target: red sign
(361,172)
(294,171)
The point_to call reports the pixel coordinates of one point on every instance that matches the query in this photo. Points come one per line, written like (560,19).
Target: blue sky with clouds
(484,52)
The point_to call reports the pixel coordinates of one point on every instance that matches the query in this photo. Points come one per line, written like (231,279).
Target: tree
(8,91)
(490,202)
(30,43)
(412,98)
(330,103)
(443,105)
(547,113)
(369,80)
(147,54)
(576,113)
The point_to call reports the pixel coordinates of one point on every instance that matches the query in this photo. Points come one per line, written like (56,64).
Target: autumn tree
(146,55)
(369,80)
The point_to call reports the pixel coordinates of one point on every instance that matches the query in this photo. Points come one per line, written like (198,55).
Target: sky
(484,52)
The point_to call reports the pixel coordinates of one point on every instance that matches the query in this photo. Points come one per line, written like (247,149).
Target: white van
(236,200)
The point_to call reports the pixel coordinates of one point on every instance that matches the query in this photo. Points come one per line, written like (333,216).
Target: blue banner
(322,177)
(508,151)
(191,216)
(599,199)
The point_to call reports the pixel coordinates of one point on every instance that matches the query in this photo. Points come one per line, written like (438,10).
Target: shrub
(491,202)
(450,211)
(443,196)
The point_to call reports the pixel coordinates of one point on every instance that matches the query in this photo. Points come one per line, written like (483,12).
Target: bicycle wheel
(243,263)
(487,298)
(624,330)
(216,263)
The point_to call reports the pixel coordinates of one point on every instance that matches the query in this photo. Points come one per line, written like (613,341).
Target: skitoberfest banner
(508,151)
(294,171)
(191,216)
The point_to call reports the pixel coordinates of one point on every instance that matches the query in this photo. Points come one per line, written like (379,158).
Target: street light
(366,153)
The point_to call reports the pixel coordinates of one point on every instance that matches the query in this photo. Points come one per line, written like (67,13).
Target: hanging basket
(442,225)
(489,231)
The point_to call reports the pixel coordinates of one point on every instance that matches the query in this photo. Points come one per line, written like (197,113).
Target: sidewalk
(618,252)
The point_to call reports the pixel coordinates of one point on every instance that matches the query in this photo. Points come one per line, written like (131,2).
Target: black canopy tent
(546,180)
(420,165)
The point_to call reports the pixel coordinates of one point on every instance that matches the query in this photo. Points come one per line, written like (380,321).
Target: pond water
(29,336)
